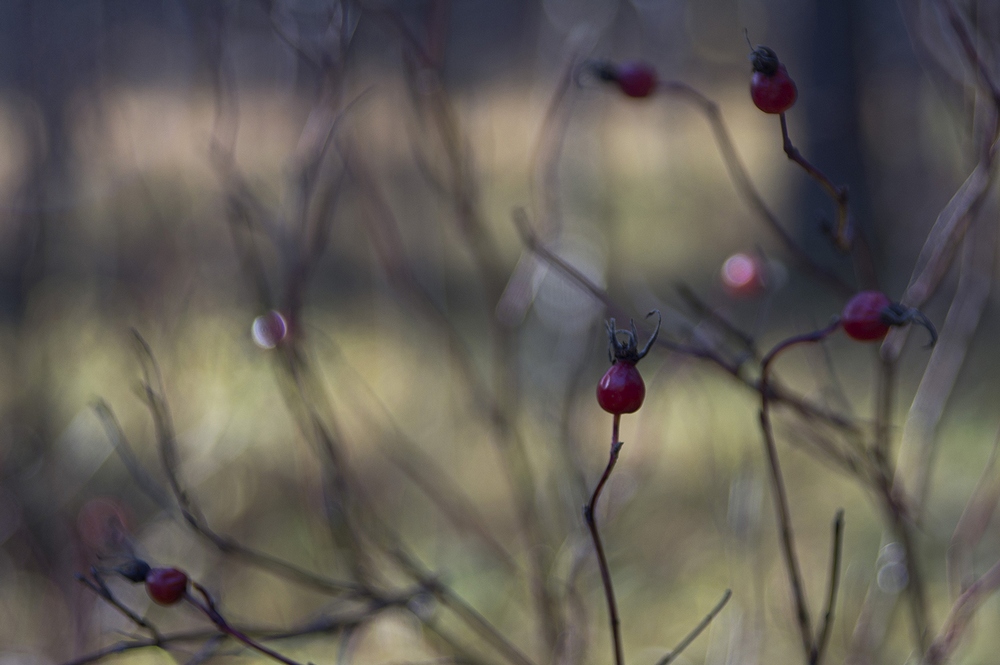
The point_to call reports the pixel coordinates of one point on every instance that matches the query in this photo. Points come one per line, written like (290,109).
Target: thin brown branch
(780,494)
(209,609)
(836,549)
(896,509)
(785,533)
(839,194)
(589,515)
(447,597)
(961,612)
(744,185)
(191,513)
(776,394)
(99,587)
(322,626)
(693,635)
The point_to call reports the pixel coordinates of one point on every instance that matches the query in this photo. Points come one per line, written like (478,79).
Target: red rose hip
(166,585)
(863,317)
(635,78)
(621,389)
(771,89)
(869,315)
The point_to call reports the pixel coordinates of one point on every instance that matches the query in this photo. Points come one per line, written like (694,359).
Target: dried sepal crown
(623,345)
(897,314)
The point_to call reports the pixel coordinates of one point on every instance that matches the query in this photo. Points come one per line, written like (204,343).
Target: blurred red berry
(166,585)
(771,89)
(742,276)
(863,317)
(636,79)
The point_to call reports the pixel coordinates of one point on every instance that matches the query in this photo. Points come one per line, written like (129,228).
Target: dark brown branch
(602,561)
(841,232)
(805,408)
(741,179)
(836,549)
(782,511)
(693,635)
(99,587)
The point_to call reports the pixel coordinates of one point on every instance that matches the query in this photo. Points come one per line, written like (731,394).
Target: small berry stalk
(168,586)
(621,390)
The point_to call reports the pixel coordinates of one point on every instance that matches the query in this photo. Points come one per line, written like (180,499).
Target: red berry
(771,89)
(636,78)
(863,317)
(621,389)
(166,585)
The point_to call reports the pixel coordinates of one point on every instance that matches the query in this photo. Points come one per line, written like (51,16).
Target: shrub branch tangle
(332,165)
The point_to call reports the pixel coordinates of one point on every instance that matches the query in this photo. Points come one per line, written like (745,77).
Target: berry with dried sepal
(166,585)
(621,389)
(869,315)
(635,78)
(771,88)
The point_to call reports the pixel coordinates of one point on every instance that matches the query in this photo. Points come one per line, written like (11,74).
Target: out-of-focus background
(177,169)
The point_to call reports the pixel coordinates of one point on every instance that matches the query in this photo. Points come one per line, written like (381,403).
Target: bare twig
(805,408)
(322,626)
(693,635)
(602,560)
(99,587)
(785,531)
(207,606)
(744,185)
(782,511)
(958,620)
(837,193)
(459,606)
(893,499)
(836,549)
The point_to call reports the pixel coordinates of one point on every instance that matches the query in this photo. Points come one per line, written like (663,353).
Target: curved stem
(831,594)
(744,185)
(208,608)
(809,644)
(602,561)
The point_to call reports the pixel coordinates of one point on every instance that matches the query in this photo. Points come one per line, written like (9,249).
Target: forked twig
(782,510)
